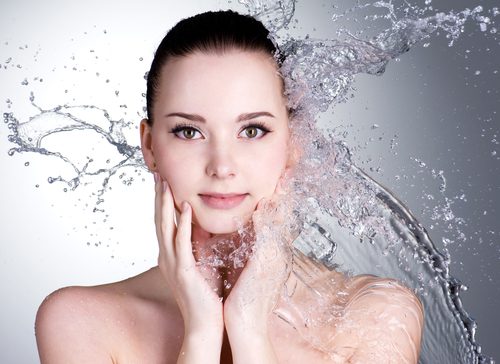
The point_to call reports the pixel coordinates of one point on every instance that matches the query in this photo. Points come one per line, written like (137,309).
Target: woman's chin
(222,225)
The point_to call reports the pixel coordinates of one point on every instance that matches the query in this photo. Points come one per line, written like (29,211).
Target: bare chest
(157,338)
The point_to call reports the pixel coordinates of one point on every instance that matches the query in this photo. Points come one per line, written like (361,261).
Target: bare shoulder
(384,290)
(101,324)
(66,329)
(386,319)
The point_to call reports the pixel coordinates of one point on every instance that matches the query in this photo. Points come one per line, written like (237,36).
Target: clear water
(344,219)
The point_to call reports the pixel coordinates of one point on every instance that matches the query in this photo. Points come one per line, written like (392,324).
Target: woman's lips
(223,201)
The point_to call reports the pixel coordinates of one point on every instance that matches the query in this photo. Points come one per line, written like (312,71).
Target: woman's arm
(200,306)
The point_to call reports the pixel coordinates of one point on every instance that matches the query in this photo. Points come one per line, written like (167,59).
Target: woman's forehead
(230,69)
(235,77)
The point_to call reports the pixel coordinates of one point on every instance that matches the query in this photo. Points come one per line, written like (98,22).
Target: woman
(217,139)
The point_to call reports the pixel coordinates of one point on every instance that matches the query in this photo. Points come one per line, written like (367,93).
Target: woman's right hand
(200,306)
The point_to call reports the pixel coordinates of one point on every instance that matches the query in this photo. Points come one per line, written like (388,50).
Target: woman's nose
(221,163)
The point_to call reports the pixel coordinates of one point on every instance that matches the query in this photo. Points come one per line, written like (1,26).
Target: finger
(183,245)
(262,203)
(157,216)
(279,186)
(167,219)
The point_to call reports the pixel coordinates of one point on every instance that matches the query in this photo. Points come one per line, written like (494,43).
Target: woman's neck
(224,254)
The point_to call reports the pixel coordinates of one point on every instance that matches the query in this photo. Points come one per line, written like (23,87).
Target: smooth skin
(181,311)
(204,315)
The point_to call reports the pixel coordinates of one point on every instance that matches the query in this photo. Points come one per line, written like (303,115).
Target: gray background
(441,112)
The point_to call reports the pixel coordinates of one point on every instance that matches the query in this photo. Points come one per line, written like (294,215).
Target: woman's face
(220,127)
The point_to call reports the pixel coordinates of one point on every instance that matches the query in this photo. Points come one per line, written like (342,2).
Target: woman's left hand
(248,307)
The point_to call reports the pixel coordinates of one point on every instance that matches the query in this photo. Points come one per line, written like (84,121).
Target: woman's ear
(147,145)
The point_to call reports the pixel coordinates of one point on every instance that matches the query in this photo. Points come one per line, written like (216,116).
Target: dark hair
(210,32)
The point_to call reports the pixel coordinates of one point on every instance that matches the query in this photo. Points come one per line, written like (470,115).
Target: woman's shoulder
(94,321)
(367,281)
(393,313)
(388,298)
(140,292)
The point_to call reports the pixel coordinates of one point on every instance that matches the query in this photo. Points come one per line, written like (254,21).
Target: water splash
(34,136)
(320,73)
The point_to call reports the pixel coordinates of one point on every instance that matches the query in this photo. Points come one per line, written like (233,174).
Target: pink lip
(222,201)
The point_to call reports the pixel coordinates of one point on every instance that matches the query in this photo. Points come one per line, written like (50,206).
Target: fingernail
(165,186)
(185,206)
(155,174)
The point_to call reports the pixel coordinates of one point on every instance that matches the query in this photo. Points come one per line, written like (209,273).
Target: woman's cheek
(271,174)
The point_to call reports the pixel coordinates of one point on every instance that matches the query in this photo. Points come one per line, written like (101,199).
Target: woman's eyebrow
(201,119)
(192,117)
(253,115)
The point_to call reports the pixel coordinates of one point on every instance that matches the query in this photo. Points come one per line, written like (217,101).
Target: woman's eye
(254,132)
(185,133)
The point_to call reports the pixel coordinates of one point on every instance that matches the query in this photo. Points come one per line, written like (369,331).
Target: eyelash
(183,126)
